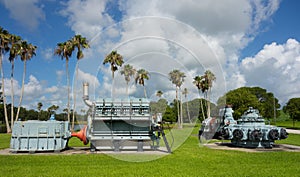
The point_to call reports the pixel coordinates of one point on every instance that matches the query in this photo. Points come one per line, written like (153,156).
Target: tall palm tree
(198,81)
(140,77)
(4,48)
(79,42)
(177,78)
(115,60)
(185,93)
(209,78)
(26,53)
(128,71)
(14,52)
(65,50)
(204,83)
(159,93)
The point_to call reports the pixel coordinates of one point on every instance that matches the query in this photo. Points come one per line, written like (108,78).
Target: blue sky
(245,43)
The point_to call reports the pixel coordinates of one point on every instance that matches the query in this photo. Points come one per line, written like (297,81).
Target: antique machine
(115,124)
(39,136)
(249,130)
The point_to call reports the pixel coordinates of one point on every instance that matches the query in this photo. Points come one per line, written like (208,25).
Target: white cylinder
(86,90)
(86,94)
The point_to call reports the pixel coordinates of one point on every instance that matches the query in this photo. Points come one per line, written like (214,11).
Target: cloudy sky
(244,42)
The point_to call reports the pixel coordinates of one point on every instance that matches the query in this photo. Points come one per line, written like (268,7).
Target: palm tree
(185,92)
(177,78)
(115,60)
(52,109)
(128,71)
(79,42)
(204,83)
(39,107)
(4,48)
(199,84)
(26,53)
(159,93)
(14,52)
(209,78)
(140,77)
(65,50)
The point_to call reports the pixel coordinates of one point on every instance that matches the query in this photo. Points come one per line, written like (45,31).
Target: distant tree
(140,77)
(292,108)
(39,107)
(14,52)
(65,50)
(128,71)
(80,43)
(159,93)
(27,51)
(242,98)
(204,83)
(177,78)
(159,106)
(52,109)
(209,79)
(4,48)
(199,84)
(115,60)
(169,115)
(185,93)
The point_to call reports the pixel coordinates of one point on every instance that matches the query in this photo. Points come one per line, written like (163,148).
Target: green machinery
(116,124)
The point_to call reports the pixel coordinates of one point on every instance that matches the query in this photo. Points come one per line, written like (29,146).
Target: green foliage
(159,106)
(169,115)
(292,108)
(256,97)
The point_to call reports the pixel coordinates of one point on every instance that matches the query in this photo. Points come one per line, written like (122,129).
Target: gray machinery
(38,136)
(117,124)
(248,131)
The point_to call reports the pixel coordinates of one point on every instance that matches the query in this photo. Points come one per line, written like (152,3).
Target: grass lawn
(189,159)
(289,124)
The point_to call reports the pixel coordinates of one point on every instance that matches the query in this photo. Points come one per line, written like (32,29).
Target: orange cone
(81,135)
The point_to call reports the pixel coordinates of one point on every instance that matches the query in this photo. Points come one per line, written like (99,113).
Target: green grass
(293,139)
(4,140)
(189,159)
(289,124)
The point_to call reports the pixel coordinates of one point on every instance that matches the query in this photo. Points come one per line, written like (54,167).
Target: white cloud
(59,75)
(275,67)
(162,35)
(47,54)
(28,12)
(86,17)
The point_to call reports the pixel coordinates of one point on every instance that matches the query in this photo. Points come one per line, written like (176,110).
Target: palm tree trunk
(181,119)
(22,90)
(201,106)
(12,93)
(145,92)
(208,104)
(68,85)
(8,129)
(188,112)
(178,116)
(127,89)
(74,97)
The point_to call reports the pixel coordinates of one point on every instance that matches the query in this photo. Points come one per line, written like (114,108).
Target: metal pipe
(86,94)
